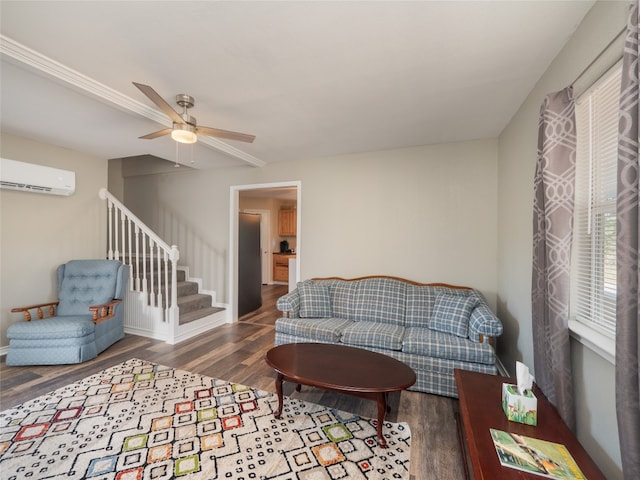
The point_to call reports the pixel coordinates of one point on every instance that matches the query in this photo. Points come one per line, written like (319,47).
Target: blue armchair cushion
(314,300)
(52,328)
(451,314)
(82,283)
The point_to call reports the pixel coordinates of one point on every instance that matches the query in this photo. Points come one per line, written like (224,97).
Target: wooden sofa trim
(40,314)
(103,312)
(99,313)
(410,282)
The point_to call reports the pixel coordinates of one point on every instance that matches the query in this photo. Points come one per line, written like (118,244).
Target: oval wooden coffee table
(343,369)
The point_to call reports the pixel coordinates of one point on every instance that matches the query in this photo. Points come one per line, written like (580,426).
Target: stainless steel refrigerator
(249,264)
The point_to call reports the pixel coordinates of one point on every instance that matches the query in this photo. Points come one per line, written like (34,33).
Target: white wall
(593,375)
(409,212)
(39,232)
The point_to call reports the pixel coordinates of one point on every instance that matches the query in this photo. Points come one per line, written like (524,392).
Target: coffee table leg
(279,378)
(382,409)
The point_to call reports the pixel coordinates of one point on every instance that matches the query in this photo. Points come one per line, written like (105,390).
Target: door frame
(234,209)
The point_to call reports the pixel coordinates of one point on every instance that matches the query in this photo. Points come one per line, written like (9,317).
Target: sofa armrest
(289,304)
(484,326)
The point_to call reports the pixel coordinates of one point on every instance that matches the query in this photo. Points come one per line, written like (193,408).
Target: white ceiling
(309,79)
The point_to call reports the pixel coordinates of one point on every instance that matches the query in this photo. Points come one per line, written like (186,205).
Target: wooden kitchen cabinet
(281,267)
(287,222)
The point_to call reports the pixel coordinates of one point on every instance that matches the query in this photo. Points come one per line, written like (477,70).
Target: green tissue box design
(519,408)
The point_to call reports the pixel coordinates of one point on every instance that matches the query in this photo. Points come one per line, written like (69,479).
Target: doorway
(269,193)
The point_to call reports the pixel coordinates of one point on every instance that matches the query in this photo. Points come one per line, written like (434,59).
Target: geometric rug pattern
(139,420)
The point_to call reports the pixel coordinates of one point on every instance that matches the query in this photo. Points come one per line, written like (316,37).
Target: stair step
(197,314)
(190,303)
(184,288)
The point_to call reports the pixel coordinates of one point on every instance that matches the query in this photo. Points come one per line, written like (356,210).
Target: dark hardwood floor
(235,352)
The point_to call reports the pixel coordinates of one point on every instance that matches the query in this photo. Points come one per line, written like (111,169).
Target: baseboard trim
(198,327)
(502,371)
(4,350)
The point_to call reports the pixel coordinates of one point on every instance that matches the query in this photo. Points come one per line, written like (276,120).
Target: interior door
(265,240)
(249,264)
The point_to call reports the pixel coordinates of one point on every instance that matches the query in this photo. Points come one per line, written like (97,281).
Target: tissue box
(519,408)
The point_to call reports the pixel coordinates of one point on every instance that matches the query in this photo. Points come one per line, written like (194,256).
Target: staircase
(163,302)
(192,303)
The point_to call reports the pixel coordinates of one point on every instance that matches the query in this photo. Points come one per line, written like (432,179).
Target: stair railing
(146,254)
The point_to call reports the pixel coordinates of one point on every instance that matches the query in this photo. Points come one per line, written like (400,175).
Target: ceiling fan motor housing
(185,101)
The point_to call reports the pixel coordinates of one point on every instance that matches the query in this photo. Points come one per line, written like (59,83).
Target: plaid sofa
(432,328)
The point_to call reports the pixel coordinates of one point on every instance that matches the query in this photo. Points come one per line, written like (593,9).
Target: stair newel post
(104,195)
(174,312)
(167,286)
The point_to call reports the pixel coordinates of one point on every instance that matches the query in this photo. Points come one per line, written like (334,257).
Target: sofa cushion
(381,300)
(319,329)
(52,328)
(451,314)
(420,300)
(431,343)
(374,334)
(314,300)
(343,296)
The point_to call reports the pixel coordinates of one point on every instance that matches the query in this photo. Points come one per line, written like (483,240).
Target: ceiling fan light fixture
(184,133)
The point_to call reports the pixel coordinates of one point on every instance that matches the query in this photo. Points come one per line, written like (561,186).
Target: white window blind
(594,241)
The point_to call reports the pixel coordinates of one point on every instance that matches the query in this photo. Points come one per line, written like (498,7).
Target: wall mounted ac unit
(29,177)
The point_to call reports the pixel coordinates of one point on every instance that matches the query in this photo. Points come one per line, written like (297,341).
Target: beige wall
(593,375)
(38,232)
(410,212)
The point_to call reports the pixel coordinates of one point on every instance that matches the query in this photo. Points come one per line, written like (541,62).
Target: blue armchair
(87,318)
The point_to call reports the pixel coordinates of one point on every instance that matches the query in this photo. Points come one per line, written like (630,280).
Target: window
(594,241)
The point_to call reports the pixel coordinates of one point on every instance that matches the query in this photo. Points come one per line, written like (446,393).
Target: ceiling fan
(184,128)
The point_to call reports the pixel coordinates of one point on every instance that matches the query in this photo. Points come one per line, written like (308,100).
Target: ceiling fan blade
(159,133)
(216,132)
(159,101)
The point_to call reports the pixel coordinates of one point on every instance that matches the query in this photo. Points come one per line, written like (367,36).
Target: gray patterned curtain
(628,269)
(552,233)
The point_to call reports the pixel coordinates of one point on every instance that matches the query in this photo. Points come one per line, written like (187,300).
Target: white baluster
(110,228)
(152,277)
(144,266)
(116,252)
(159,277)
(123,244)
(137,263)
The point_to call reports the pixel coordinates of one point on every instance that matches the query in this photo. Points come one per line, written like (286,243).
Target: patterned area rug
(141,420)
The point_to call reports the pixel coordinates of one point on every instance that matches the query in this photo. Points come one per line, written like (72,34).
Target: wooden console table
(481,409)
